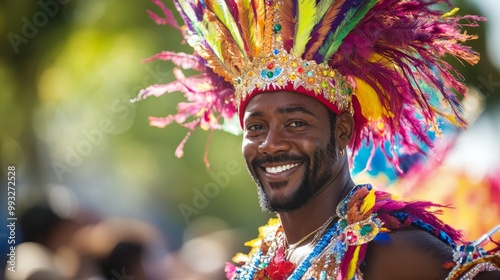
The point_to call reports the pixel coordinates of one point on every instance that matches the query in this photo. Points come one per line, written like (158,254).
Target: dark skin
(293,123)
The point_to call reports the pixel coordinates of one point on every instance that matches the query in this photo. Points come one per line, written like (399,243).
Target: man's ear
(344,129)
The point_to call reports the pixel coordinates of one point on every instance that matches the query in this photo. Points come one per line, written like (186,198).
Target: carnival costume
(380,60)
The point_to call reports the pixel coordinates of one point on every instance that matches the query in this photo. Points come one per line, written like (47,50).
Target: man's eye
(297,124)
(254,127)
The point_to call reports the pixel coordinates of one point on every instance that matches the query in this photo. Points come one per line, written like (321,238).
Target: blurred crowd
(88,246)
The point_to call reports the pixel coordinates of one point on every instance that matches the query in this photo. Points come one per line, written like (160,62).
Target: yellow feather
(306,19)
(371,108)
(450,13)
(220,9)
(260,16)
(368,202)
(353,264)
(248,19)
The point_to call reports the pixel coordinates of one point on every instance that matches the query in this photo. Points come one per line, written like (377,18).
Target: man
(308,80)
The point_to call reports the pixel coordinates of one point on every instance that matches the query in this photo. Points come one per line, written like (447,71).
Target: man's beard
(317,172)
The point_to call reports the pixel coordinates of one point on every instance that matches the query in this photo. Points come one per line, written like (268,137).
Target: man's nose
(274,143)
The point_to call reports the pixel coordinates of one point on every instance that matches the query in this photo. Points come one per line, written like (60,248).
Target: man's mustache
(280,158)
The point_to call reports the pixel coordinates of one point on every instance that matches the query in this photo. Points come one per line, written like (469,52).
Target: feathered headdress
(381,60)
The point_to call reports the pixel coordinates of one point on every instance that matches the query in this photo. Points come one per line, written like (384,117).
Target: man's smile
(276,169)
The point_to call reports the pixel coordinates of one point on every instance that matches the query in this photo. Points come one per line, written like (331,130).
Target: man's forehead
(281,101)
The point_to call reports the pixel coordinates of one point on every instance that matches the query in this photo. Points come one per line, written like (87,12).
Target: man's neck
(299,223)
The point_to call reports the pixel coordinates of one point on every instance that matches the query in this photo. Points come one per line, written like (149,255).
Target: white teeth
(278,169)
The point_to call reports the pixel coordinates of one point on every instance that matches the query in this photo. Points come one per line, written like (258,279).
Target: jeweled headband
(381,60)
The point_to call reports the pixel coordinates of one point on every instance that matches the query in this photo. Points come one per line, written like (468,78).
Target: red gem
(351,236)
(300,69)
(270,66)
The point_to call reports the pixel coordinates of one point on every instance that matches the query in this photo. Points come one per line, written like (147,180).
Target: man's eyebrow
(255,114)
(287,110)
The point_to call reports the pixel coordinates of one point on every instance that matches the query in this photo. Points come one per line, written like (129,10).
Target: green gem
(324,84)
(365,229)
(343,223)
(277,28)
(270,74)
(349,91)
(239,81)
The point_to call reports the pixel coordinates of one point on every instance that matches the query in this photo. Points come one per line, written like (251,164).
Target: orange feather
(325,26)
(288,22)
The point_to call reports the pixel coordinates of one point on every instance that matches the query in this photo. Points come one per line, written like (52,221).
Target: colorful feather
(321,30)
(231,54)
(352,18)
(259,7)
(287,14)
(247,23)
(220,9)
(306,19)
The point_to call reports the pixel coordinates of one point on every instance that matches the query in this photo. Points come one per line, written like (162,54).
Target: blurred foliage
(67,72)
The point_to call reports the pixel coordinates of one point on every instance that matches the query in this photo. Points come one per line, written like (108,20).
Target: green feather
(204,31)
(221,10)
(306,19)
(188,10)
(335,38)
(322,8)
(211,38)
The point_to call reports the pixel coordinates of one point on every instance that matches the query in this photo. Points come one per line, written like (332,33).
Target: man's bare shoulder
(410,254)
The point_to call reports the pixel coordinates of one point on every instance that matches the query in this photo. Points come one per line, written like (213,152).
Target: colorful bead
(365,230)
(277,28)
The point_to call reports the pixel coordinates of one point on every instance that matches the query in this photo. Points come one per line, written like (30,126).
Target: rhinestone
(293,77)
(310,80)
(365,229)
(270,74)
(277,28)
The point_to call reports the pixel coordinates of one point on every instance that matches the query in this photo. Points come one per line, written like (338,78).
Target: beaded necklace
(317,250)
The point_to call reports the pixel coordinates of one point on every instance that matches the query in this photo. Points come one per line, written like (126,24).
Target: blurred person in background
(87,247)
(307,81)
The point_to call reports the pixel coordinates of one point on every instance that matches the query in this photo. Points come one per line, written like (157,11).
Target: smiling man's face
(288,149)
